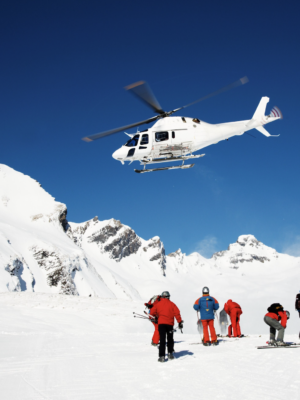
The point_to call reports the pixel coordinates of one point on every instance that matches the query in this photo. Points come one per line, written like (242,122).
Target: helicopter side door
(162,141)
(143,147)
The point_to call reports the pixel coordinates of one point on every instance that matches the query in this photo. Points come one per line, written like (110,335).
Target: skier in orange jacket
(152,302)
(234,311)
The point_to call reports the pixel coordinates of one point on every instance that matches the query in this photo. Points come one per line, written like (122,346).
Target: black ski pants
(165,331)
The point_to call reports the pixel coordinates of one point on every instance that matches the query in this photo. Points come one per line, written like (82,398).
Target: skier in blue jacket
(207,305)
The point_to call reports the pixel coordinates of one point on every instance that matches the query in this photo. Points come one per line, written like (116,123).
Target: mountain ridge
(41,251)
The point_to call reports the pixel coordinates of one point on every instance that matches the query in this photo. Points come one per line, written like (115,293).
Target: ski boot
(171,356)
(206,343)
(161,359)
(154,344)
(280,343)
(215,343)
(272,342)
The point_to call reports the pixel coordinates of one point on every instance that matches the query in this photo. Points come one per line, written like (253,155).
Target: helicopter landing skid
(142,171)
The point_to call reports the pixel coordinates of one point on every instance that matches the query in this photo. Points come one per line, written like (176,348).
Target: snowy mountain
(40,251)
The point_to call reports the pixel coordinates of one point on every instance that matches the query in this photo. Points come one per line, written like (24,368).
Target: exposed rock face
(63,220)
(77,233)
(156,245)
(15,268)
(58,268)
(124,245)
(112,237)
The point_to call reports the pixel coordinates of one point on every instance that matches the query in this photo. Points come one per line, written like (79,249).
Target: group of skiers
(162,312)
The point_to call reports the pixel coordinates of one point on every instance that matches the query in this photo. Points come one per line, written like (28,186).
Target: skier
(275,314)
(234,311)
(207,305)
(149,305)
(297,303)
(166,311)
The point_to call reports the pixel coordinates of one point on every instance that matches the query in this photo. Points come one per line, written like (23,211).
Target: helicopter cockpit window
(133,141)
(183,119)
(161,136)
(196,120)
(145,139)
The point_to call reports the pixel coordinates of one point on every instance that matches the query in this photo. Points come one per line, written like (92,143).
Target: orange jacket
(282,317)
(166,311)
(230,305)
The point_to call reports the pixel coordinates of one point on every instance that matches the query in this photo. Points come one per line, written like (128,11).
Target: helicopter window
(196,120)
(183,119)
(145,139)
(133,141)
(161,136)
(173,135)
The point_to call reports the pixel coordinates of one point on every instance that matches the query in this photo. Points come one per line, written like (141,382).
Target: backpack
(275,308)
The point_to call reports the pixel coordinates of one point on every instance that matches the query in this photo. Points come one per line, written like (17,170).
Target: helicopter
(175,138)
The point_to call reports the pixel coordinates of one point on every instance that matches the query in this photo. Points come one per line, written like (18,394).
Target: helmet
(165,294)
(287,314)
(205,290)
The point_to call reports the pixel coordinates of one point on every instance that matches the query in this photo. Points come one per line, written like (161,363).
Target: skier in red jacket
(276,318)
(234,311)
(166,311)
(149,305)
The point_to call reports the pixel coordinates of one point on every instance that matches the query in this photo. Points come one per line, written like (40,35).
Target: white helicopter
(177,138)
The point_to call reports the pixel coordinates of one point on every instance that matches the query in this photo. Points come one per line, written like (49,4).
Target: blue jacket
(206,305)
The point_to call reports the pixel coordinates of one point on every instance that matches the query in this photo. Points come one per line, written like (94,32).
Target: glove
(180,325)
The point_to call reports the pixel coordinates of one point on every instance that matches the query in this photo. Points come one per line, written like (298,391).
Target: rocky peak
(178,256)
(248,240)
(246,249)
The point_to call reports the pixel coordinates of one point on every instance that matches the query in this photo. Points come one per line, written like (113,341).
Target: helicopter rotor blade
(143,91)
(233,85)
(123,128)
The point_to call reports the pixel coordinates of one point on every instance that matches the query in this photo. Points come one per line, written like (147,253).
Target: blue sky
(64,65)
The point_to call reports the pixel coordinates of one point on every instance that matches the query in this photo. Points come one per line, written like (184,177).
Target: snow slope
(58,347)
(41,252)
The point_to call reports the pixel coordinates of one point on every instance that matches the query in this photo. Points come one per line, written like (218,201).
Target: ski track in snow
(57,347)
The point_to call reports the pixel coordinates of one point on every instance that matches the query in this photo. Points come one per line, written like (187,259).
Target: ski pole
(147,319)
(141,315)
(149,315)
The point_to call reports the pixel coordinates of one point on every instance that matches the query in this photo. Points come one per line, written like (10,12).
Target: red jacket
(166,311)
(230,305)
(282,317)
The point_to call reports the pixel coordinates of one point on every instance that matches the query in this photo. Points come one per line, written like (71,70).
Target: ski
(232,337)
(290,346)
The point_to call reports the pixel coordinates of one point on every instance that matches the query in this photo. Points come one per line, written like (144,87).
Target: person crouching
(276,318)
(234,311)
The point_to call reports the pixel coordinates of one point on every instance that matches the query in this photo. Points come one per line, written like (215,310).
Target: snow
(73,347)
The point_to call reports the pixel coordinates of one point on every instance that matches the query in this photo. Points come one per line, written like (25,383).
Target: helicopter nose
(119,154)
